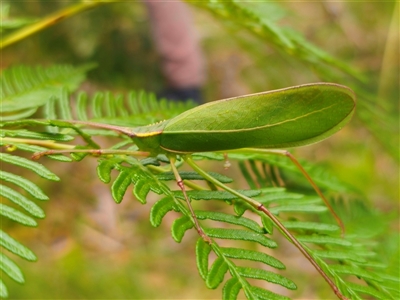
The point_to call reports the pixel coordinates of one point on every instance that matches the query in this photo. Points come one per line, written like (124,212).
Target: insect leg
(179,181)
(259,206)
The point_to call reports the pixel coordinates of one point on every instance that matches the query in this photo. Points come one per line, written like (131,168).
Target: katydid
(261,122)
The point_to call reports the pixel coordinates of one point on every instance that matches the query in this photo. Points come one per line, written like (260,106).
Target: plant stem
(48,21)
(305,174)
(259,206)
(45,143)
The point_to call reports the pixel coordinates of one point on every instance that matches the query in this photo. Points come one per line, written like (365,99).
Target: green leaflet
(311,226)
(22,133)
(298,208)
(276,195)
(11,269)
(29,164)
(82,99)
(320,239)
(141,189)
(226,218)
(22,201)
(16,116)
(231,289)
(16,216)
(121,183)
(3,290)
(216,273)
(13,246)
(237,234)
(266,295)
(180,226)
(340,255)
(353,270)
(367,290)
(267,276)
(238,253)
(216,195)
(160,209)
(27,185)
(105,167)
(203,250)
(193,176)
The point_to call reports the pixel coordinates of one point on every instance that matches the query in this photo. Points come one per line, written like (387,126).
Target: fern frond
(287,40)
(133,109)
(24,89)
(341,258)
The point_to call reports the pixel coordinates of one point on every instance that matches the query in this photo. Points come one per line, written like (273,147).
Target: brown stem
(179,181)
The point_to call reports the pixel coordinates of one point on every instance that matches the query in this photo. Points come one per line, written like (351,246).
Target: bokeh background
(91,248)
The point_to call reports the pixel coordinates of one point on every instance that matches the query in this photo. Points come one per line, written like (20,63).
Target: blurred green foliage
(117,37)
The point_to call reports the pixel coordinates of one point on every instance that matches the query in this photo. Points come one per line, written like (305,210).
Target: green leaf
(311,226)
(27,185)
(356,271)
(22,133)
(267,276)
(203,250)
(270,195)
(252,255)
(121,183)
(366,290)
(267,224)
(105,167)
(15,247)
(180,226)
(22,201)
(16,216)
(191,175)
(81,106)
(244,235)
(231,289)
(298,208)
(216,273)
(223,217)
(140,190)
(339,255)
(11,269)
(3,290)
(262,294)
(28,164)
(319,239)
(160,209)
(216,195)
(64,104)
(19,115)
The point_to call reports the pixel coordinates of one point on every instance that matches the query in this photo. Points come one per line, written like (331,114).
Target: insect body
(278,119)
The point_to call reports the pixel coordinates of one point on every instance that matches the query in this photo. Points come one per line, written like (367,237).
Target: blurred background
(90,248)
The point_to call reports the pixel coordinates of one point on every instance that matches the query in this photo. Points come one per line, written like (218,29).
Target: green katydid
(261,122)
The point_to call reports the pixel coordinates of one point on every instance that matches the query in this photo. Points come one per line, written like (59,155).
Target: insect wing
(283,118)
